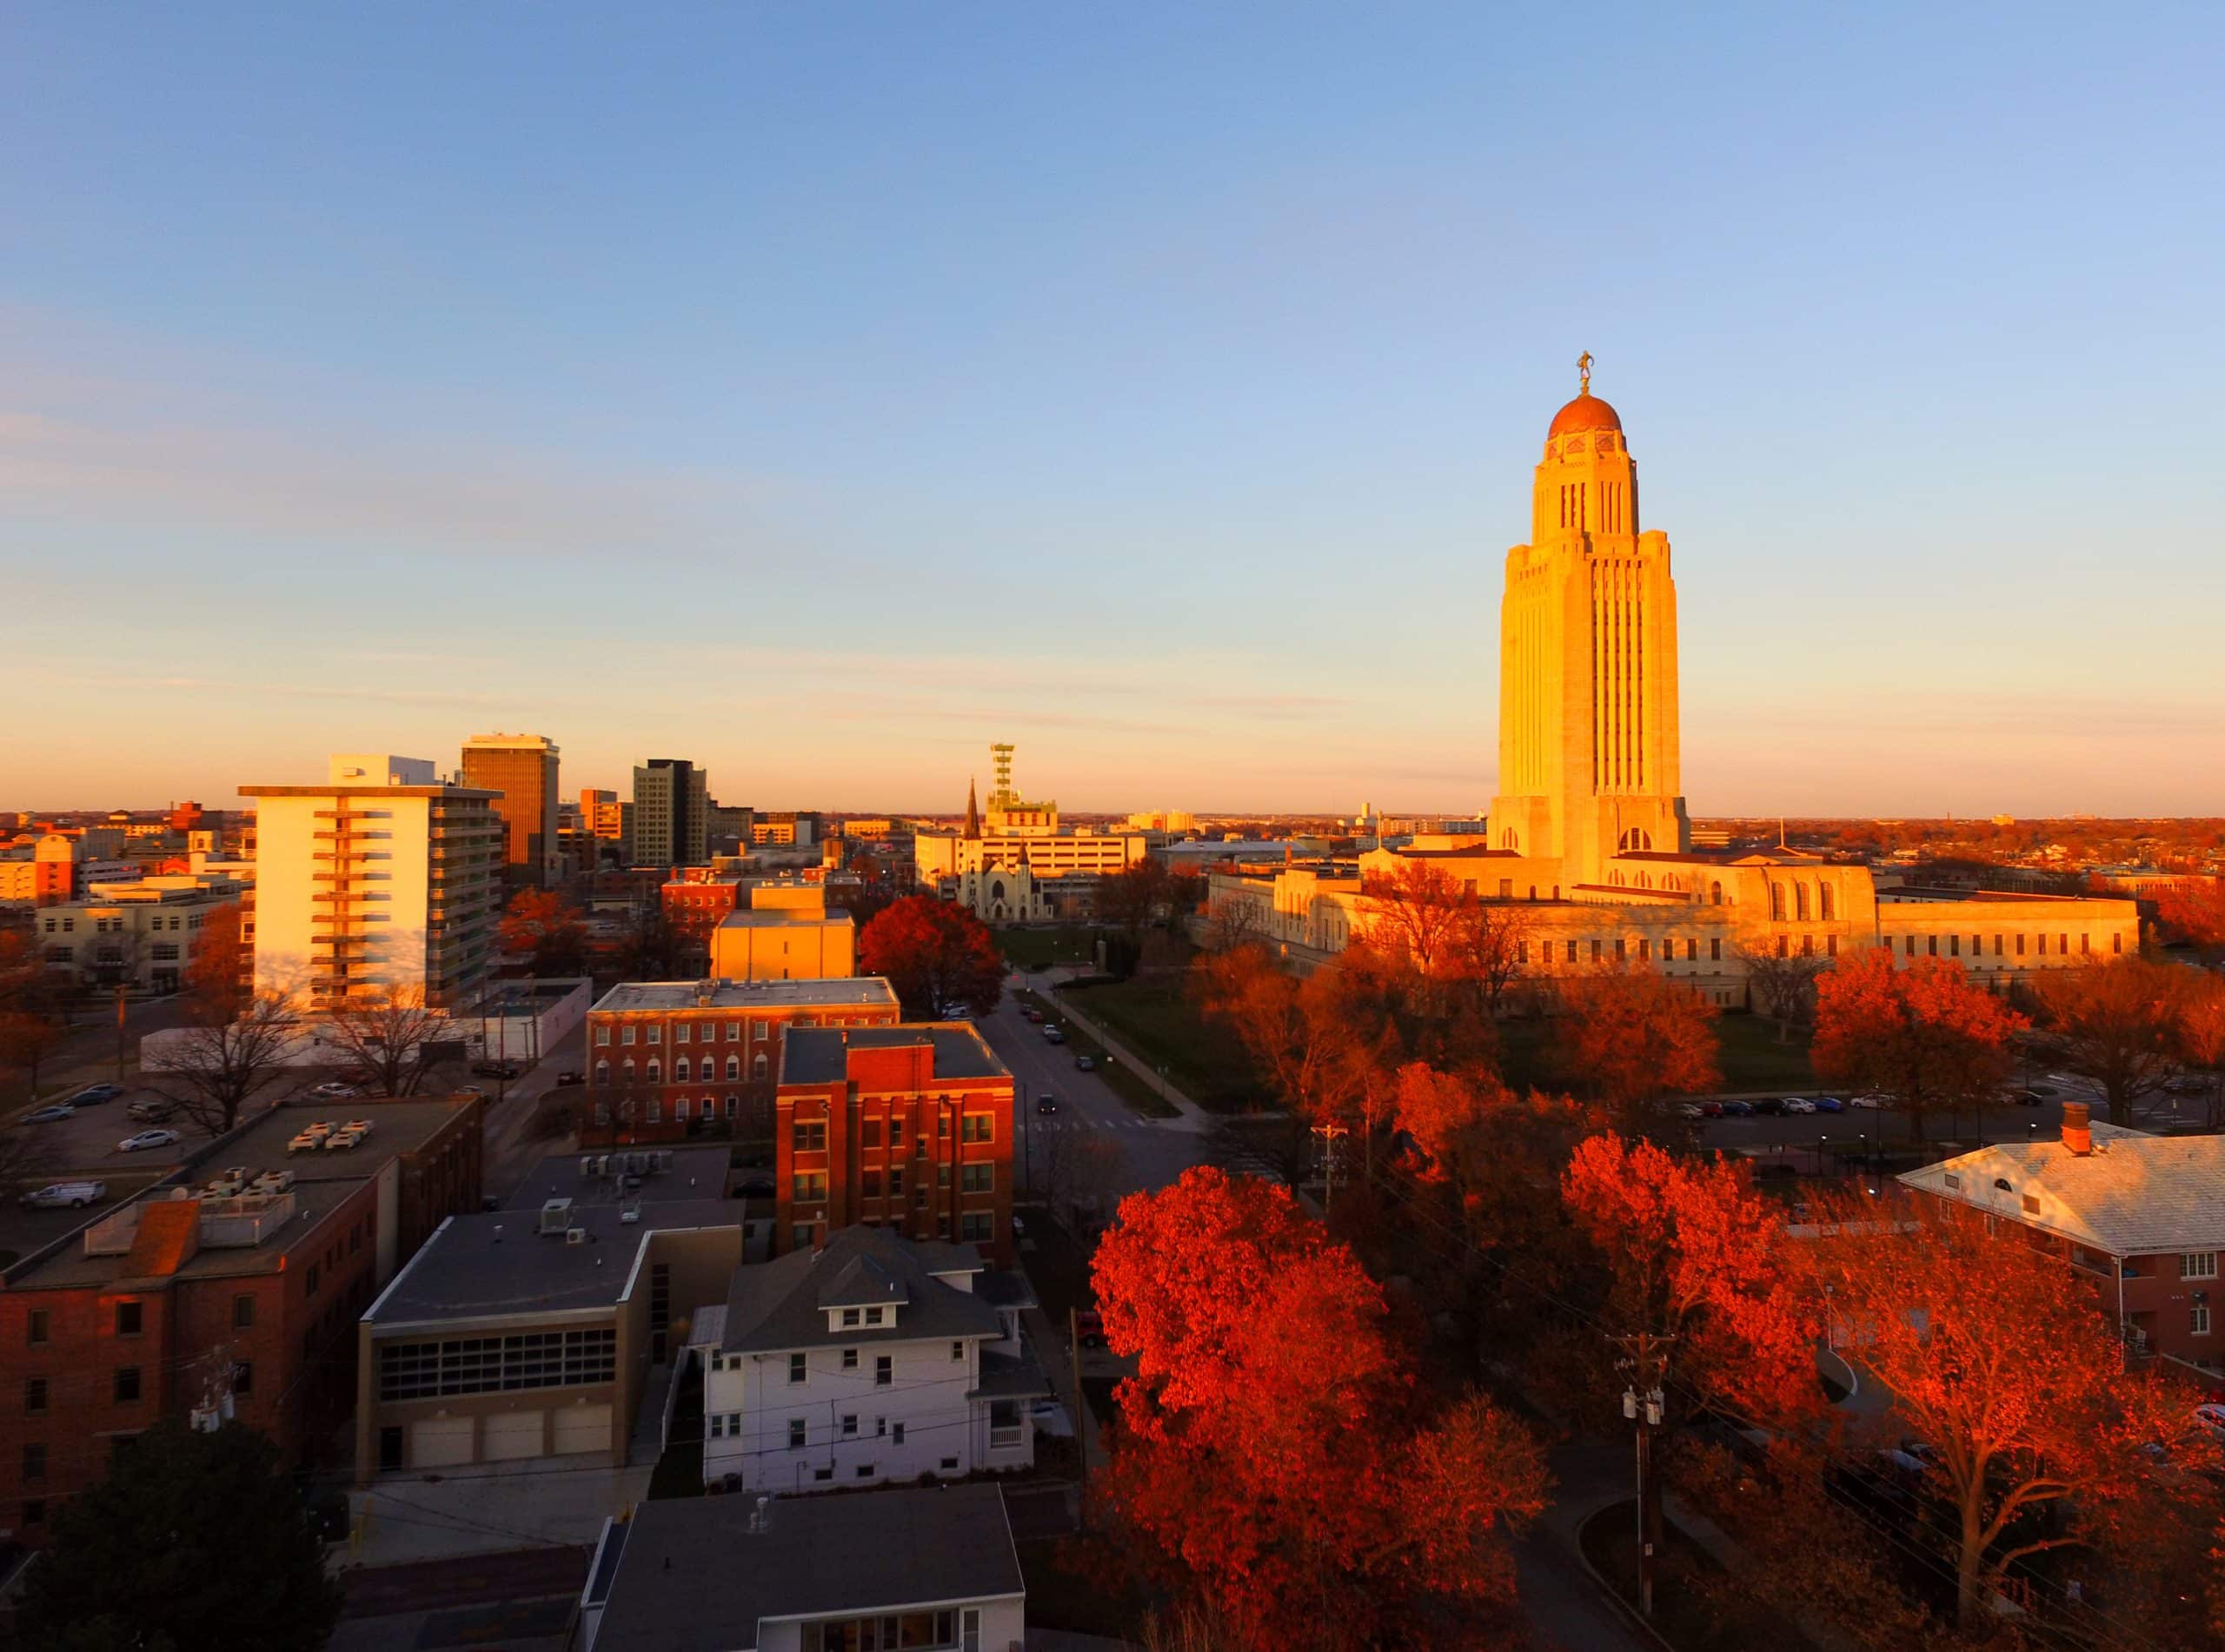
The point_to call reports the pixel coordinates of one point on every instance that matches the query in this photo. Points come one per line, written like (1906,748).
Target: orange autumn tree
(2116,1021)
(2002,1360)
(1704,1293)
(2194,913)
(1926,1033)
(1276,1462)
(1630,1036)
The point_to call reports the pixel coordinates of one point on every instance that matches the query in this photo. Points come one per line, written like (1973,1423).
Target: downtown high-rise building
(522,767)
(671,813)
(384,879)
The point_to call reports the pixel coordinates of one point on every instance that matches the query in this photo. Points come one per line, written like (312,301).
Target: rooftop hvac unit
(575,1235)
(586,1164)
(555,1215)
(663,1162)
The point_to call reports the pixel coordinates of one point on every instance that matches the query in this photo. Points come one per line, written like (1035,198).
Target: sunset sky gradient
(822,393)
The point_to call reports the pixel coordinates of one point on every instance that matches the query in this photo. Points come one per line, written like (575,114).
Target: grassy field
(1037,949)
(1155,1017)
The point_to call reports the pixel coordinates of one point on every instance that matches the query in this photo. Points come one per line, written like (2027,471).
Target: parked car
(335,1092)
(1051,1035)
(468,1090)
(1711,1110)
(1737,1109)
(147,1139)
(2187,1084)
(1875,1101)
(65,1195)
(1047,1104)
(93,1095)
(563,1078)
(1828,1104)
(1770,1107)
(1796,1105)
(1032,1013)
(151,1112)
(1086,1064)
(2023,1097)
(1089,1327)
(1690,1109)
(53,1113)
(496,1069)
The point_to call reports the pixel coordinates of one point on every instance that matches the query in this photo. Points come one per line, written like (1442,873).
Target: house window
(243,1377)
(850,1425)
(682,1032)
(977,1227)
(864,1472)
(796,1434)
(809,1187)
(1597,949)
(1715,949)
(733,1031)
(810,1137)
(795,1368)
(1004,1422)
(1831,947)
(761,1031)
(977,1127)
(896,1435)
(2198,1319)
(873,1315)
(656,1071)
(977,1178)
(127,1384)
(958,1351)
(884,1370)
(602,1073)
(682,1071)
(849,1355)
(35,1460)
(656,1034)
(800,1235)
(895,1186)
(733,1069)
(2198,1265)
(1645,947)
(34,1395)
(129,1317)
(625,1033)
(1784,946)
(758,1068)
(602,1035)
(895,1133)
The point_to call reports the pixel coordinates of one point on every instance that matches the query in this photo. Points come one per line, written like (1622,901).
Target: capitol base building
(1589,835)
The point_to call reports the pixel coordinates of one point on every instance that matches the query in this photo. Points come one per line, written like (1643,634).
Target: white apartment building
(873,1359)
(384,878)
(139,934)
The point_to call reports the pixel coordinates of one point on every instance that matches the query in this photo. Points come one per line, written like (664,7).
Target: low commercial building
(519,1334)
(230,1294)
(908,1127)
(873,1359)
(2141,1216)
(140,934)
(784,930)
(666,1059)
(694,902)
(932,1569)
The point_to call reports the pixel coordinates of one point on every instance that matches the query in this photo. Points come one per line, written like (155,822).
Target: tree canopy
(936,955)
(1926,1033)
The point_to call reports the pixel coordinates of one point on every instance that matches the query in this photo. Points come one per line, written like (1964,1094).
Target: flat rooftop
(784,917)
(323,1179)
(820,1055)
(693,1578)
(862,992)
(677,1175)
(495,1262)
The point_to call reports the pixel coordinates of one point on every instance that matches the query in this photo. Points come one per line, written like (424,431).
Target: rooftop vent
(555,1216)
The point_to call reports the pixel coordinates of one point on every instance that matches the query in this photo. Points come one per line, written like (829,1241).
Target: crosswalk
(1087,1124)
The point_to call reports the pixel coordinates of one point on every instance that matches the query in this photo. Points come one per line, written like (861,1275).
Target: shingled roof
(2134,1195)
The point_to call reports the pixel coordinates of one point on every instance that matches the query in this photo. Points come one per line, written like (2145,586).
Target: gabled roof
(2134,1195)
(781,1305)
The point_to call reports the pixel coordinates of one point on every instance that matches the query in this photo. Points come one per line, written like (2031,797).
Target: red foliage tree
(2004,1361)
(546,927)
(1630,1036)
(1925,1033)
(2118,1021)
(2194,913)
(1276,1457)
(936,955)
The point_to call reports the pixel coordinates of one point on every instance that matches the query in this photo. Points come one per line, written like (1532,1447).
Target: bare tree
(1492,948)
(26,1156)
(1235,922)
(211,1070)
(392,1037)
(1784,985)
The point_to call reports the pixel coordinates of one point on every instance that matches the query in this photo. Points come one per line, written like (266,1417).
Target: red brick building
(908,1127)
(2143,1216)
(693,907)
(234,1293)
(665,1059)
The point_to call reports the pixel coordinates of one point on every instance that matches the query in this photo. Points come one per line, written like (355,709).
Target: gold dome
(1587,412)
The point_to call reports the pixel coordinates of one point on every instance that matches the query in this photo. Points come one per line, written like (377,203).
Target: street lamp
(1823,1143)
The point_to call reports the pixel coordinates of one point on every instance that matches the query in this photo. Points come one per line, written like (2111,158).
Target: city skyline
(1183,450)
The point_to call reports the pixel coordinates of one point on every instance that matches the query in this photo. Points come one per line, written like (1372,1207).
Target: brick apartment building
(666,1058)
(907,1127)
(235,1292)
(2141,1216)
(694,901)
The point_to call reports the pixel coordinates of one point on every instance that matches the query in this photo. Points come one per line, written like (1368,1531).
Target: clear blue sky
(822,392)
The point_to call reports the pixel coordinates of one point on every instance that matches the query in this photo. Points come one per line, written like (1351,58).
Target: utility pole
(1081,1406)
(1645,1357)
(1330,1133)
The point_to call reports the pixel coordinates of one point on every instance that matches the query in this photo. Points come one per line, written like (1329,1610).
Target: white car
(147,1138)
(335,1092)
(1799,1104)
(58,1195)
(1690,1109)
(1875,1101)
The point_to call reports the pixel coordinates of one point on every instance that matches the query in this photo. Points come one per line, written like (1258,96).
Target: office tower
(671,813)
(522,767)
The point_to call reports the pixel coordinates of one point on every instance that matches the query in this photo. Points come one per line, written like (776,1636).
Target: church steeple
(973,811)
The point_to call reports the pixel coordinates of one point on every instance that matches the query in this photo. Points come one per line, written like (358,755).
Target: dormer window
(873,1315)
(853,1317)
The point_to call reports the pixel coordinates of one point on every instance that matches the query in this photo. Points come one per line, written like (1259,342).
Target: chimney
(2077,1136)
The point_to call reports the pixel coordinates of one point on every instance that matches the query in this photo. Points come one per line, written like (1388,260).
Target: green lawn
(1036,948)
(1156,1017)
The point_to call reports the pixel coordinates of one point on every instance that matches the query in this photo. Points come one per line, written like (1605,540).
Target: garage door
(582,1428)
(514,1433)
(440,1442)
